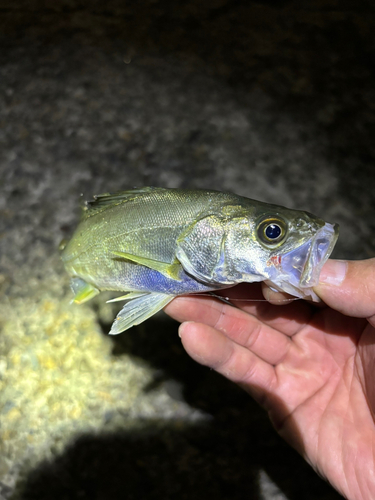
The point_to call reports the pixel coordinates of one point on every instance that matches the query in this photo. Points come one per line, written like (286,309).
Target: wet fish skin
(157,243)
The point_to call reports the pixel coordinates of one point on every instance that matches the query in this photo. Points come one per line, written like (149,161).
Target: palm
(307,367)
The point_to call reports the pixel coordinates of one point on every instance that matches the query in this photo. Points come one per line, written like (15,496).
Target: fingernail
(181,328)
(333,272)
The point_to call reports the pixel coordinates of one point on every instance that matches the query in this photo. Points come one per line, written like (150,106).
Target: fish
(154,244)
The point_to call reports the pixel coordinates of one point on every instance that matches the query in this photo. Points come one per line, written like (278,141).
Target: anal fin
(138,310)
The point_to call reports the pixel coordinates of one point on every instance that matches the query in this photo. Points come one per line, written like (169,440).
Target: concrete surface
(268,99)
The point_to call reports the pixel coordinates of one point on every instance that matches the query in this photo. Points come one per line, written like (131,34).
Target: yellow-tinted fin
(138,310)
(171,271)
(128,296)
(82,291)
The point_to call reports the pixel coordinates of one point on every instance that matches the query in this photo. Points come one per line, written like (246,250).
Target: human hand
(311,368)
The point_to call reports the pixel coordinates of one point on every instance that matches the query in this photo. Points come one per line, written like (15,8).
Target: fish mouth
(301,267)
(321,248)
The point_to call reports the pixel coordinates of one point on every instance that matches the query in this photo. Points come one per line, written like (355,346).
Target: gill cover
(201,250)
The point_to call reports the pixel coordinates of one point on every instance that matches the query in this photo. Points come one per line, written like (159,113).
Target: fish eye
(271,230)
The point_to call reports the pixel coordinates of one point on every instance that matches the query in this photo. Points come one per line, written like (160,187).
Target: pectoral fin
(139,309)
(171,271)
(82,291)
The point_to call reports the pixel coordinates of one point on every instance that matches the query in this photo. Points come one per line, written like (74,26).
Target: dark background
(274,100)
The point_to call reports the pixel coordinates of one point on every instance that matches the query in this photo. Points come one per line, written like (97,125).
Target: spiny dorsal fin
(103,201)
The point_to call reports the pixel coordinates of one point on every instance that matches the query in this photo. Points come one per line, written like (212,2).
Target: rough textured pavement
(268,99)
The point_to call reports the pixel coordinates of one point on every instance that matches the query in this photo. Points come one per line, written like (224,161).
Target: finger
(242,328)
(349,287)
(247,292)
(289,319)
(212,348)
(276,297)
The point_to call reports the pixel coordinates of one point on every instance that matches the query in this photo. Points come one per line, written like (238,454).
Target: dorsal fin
(103,201)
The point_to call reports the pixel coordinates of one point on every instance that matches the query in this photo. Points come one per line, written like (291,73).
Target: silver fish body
(157,243)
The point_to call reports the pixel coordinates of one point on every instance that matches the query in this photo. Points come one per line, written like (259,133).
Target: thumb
(349,287)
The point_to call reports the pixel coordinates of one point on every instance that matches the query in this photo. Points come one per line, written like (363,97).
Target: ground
(271,100)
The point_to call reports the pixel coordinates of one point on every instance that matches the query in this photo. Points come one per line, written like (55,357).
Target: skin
(311,368)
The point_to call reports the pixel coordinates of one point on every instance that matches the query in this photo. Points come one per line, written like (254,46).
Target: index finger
(239,327)
(288,318)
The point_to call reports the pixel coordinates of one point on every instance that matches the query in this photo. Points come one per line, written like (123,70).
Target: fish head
(286,248)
